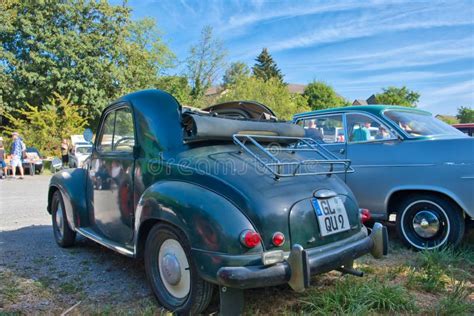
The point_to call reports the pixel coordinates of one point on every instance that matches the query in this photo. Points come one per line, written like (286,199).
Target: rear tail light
(278,239)
(365,215)
(250,239)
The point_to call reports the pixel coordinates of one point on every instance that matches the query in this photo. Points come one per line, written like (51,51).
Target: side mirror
(88,135)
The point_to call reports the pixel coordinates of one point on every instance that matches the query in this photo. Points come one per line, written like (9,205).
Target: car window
(363,128)
(124,135)
(105,144)
(420,124)
(328,129)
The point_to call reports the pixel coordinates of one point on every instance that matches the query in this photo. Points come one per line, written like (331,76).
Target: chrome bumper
(303,263)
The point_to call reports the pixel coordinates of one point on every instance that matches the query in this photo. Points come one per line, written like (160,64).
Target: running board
(90,234)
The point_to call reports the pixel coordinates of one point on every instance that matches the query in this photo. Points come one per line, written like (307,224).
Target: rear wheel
(429,222)
(172,273)
(63,234)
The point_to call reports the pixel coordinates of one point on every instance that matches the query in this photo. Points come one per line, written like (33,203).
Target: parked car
(33,163)
(466,128)
(80,151)
(416,168)
(202,199)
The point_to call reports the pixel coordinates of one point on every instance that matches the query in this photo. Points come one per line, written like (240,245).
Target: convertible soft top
(204,127)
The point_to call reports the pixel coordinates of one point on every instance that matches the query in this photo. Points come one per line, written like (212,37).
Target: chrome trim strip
(106,243)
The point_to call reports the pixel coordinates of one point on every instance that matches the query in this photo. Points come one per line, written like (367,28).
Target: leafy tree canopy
(44,127)
(322,96)
(272,93)
(178,86)
(398,96)
(265,67)
(89,50)
(465,114)
(236,71)
(206,59)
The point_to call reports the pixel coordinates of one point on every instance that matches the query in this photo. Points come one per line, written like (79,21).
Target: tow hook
(379,236)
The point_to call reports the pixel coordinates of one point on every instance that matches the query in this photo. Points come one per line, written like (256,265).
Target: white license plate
(332,216)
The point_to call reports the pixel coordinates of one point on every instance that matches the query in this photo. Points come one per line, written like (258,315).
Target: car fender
(210,221)
(72,183)
(432,188)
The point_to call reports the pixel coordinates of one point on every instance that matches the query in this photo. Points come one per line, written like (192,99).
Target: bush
(44,126)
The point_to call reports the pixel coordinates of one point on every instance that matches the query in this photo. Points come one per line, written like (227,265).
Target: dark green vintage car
(227,197)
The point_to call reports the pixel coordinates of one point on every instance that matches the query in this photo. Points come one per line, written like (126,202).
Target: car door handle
(342,150)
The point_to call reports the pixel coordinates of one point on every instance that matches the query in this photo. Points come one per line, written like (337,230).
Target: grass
(357,296)
(456,302)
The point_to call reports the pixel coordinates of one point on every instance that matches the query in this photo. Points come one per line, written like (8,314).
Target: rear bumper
(301,264)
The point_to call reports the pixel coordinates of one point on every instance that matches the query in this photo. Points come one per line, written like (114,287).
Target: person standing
(65,152)
(2,160)
(17,154)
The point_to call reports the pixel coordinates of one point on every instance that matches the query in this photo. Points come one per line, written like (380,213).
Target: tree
(322,96)
(398,96)
(206,59)
(272,93)
(465,114)
(266,68)
(177,86)
(89,50)
(44,126)
(146,57)
(236,71)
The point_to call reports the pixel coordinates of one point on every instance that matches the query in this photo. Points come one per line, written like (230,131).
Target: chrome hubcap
(426,224)
(174,271)
(59,218)
(171,269)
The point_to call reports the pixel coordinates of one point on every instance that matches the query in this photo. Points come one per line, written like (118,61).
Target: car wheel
(172,274)
(63,234)
(429,222)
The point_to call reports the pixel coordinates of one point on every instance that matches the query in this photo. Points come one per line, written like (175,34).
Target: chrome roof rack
(281,169)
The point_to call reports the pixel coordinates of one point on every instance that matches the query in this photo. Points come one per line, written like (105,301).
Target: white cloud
(364,28)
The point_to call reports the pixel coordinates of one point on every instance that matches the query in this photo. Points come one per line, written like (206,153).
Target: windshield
(84,150)
(419,124)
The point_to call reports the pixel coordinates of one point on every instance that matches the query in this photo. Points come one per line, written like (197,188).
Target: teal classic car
(409,167)
(223,198)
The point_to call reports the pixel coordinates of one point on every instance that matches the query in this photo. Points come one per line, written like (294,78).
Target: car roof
(376,109)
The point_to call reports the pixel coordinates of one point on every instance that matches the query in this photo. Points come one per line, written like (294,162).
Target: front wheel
(429,222)
(63,234)
(172,273)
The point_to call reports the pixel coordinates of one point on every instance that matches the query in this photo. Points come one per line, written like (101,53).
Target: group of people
(17,153)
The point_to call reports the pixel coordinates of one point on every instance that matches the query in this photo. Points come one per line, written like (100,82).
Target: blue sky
(357,47)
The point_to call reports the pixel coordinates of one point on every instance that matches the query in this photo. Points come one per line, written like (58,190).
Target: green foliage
(236,71)
(456,302)
(465,114)
(272,93)
(398,96)
(206,59)
(266,68)
(447,119)
(322,96)
(89,50)
(44,127)
(177,86)
(355,296)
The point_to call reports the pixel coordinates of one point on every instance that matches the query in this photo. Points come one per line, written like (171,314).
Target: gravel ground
(39,276)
